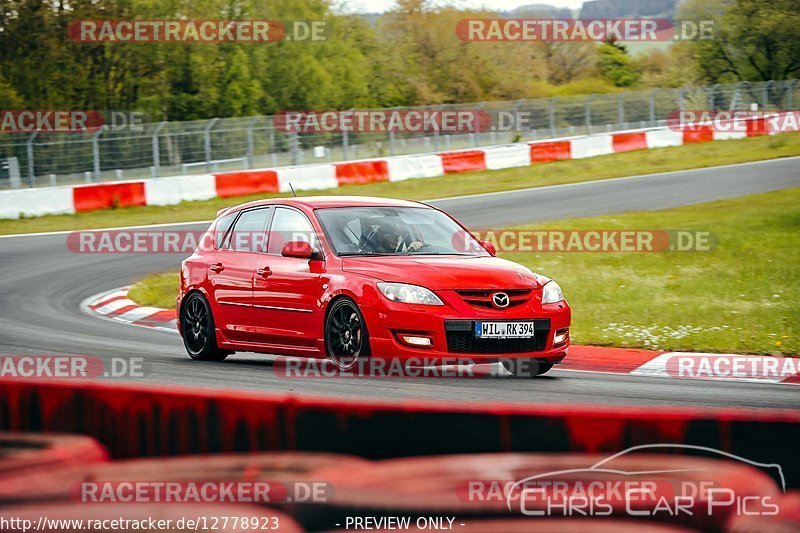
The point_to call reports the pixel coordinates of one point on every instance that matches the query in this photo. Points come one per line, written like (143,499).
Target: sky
(379,6)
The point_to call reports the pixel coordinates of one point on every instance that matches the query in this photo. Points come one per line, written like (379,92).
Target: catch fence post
(31,168)
(156,150)
(96,152)
(207,142)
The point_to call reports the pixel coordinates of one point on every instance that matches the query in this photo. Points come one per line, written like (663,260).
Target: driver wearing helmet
(390,238)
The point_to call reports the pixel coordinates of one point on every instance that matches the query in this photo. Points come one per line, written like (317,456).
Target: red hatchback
(353,277)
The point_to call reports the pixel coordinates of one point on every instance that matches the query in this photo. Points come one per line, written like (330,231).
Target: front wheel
(199,333)
(346,337)
(526,368)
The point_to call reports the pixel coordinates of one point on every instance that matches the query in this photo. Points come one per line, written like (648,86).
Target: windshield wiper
(439,253)
(354,254)
(399,254)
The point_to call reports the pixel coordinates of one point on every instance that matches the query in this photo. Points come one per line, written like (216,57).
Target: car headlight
(551,293)
(409,294)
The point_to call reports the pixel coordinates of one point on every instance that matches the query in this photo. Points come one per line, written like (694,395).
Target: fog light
(415,340)
(561,336)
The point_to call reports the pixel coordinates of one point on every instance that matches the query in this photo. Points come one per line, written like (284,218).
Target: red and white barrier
(108,195)
(308,177)
(414,167)
(663,138)
(241,183)
(173,190)
(463,161)
(591,146)
(628,142)
(508,156)
(546,152)
(36,202)
(361,172)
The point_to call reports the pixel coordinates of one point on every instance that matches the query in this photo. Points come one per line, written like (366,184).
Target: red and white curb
(115,305)
(684,365)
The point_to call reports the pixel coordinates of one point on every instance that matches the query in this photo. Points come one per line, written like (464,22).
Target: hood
(445,272)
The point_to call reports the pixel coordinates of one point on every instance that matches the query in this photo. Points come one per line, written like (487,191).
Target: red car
(355,277)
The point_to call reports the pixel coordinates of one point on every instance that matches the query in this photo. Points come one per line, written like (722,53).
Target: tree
(753,40)
(239,93)
(428,63)
(665,68)
(9,99)
(570,61)
(616,65)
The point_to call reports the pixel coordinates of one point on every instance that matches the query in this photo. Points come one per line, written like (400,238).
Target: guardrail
(162,148)
(173,190)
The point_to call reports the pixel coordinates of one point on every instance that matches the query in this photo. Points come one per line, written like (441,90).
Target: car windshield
(396,231)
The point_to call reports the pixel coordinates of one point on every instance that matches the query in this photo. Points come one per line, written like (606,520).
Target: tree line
(408,56)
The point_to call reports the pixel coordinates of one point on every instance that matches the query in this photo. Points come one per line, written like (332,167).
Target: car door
(287,290)
(231,273)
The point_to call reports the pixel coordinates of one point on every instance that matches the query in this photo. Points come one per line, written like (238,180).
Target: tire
(346,337)
(526,368)
(198,330)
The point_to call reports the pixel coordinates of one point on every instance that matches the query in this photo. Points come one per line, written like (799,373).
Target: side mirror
(489,248)
(300,250)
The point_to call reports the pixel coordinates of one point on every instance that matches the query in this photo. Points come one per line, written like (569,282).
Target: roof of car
(315,202)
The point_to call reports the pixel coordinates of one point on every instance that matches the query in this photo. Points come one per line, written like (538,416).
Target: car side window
(248,233)
(289,225)
(221,229)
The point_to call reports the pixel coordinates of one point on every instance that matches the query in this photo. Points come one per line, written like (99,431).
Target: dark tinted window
(249,232)
(396,230)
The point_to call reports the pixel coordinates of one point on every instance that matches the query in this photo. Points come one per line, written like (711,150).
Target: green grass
(740,297)
(611,166)
(158,290)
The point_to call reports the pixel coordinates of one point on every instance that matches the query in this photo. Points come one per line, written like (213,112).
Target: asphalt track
(42,285)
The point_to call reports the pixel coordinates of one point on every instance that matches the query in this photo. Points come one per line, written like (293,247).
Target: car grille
(483,298)
(461,339)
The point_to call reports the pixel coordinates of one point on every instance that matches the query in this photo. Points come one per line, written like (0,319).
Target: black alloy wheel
(346,336)
(198,330)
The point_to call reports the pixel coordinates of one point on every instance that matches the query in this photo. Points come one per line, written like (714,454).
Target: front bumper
(451,330)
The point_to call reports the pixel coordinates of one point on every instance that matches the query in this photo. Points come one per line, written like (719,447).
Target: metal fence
(176,148)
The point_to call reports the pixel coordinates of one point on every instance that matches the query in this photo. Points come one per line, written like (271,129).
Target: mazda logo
(500,299)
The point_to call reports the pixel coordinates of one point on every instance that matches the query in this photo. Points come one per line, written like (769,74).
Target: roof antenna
(293,193)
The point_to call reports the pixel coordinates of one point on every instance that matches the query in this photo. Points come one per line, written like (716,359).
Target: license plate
(504,330)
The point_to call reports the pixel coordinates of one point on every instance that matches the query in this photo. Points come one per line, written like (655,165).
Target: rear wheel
(526,368)
(346,336)
(197,327)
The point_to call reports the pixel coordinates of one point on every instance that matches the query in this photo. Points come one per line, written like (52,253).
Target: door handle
(216,267)
(264,272)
